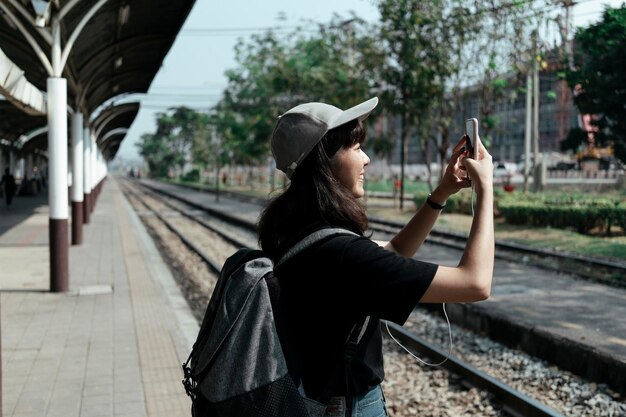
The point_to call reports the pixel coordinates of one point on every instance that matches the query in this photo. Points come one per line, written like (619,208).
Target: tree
(201,143)
(156,154)
(170,146)
(416,64)
(274,74)
(459,31)
(600,75)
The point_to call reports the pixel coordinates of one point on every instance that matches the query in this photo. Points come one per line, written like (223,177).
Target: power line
(226,30)
(261,29)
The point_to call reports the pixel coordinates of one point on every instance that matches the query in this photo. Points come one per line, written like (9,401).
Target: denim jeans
(370,404)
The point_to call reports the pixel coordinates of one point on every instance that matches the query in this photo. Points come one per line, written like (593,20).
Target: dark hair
(314,195)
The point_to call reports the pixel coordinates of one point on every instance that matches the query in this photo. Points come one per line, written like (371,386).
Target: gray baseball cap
(298,130)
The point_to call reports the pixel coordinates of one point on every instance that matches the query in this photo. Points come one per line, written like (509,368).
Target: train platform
(111,346)
(573,323)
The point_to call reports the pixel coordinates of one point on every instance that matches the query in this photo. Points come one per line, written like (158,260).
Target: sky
(193,71)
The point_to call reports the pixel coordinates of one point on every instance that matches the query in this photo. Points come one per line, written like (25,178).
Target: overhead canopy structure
(111,125)
(16,88)
(118,50)
(14,123)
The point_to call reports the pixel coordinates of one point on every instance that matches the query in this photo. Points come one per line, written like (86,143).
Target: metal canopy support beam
(77,178)
(24,139)
(31,41)
(18,6)
(113,132)
(113,115)
(79,28)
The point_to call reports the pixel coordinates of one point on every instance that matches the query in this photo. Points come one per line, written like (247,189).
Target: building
(557,115)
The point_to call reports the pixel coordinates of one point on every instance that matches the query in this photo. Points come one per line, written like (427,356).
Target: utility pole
(532,115)
(404,150)
(527,130)
(563,91)
(538,165)
(217,146)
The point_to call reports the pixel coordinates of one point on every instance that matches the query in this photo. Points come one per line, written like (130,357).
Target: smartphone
(471,130)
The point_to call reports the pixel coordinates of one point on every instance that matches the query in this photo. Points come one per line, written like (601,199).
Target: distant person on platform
(8,181)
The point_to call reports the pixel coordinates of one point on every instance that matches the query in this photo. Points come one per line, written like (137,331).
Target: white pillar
(57,174)
(19,168)
(94,163)
(94,172)
(11,162)
(77,178)
(77,157)
(87,175)
(29,166)
(57,147)
(86,160)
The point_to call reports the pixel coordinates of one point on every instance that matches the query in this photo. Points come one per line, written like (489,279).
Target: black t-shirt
(329,287)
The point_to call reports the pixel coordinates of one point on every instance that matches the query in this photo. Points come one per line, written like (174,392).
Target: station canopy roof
(119,51)
(14,123)
(111,124)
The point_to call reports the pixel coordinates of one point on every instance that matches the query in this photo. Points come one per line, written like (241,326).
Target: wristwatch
(434,205)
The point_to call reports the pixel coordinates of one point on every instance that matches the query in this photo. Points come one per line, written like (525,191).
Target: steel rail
(439,237)
(233,241)
(212,265)
(515,402)
(216,213)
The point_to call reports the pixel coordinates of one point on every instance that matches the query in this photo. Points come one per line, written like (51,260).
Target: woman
(331,286)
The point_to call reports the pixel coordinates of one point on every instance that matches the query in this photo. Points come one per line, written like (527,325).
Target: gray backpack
(237,366)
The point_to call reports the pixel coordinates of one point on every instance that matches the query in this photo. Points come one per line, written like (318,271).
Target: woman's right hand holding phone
(471,279)
(480,170)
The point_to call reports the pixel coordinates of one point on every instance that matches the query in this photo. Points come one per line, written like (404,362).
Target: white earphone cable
(421,360)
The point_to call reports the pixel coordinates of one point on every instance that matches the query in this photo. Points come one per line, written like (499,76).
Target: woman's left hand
(455,178)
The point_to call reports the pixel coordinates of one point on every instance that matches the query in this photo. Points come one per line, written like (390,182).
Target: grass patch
(537,237)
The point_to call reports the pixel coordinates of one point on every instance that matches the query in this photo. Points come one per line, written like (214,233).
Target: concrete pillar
(86,176)
(94,173)
(77,178)
(29,166)
(57,151)
(12,162)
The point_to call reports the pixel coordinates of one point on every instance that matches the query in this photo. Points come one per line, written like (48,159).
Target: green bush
(458,203)
(192,176)
(582,215)
(580,212)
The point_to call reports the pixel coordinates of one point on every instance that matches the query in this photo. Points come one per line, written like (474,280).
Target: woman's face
(348,166)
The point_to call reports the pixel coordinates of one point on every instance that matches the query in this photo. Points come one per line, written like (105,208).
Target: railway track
(598,270)
(511,401)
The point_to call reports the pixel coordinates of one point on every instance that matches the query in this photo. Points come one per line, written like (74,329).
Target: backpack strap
(355,336)
(356,333)
(345,362)
(310,240)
